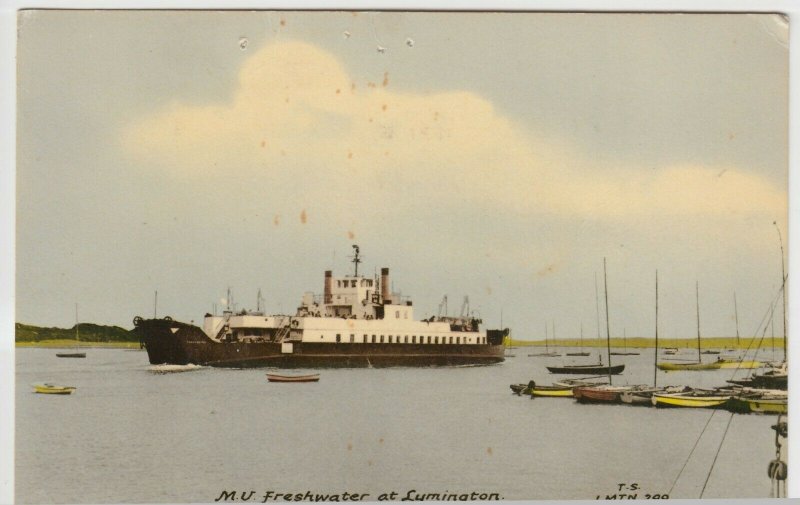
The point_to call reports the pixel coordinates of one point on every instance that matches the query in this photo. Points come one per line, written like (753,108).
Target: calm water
(128,435)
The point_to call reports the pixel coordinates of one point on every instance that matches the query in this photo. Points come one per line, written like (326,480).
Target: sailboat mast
(655,367)
(608,326)
(736,315)
(546,349)
(155,306)
(581,336)
(783,287)
(77,330)
(597,305)
(697,295)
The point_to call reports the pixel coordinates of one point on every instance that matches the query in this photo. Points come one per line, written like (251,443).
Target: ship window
(429,339)
(338,337)
(450,340)
(321,337)
(373,339)
(353,283)
(436,340)
(381,339)
(365,338)
(390,339)
(352,338)
(413,339)
(405,339)
(458,340)
(397,314)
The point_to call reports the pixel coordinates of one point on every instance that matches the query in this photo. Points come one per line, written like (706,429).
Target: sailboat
(582,352)
(671,366)
(77,339)
(596,369)
(546,353)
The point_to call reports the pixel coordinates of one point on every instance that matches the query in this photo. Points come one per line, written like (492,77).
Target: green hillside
(88,333)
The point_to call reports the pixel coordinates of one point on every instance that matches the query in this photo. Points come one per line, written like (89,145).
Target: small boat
(587,369)
(740,364)
(625,353)
(544,355)
(554,391)
(70,354)
(547,352)
(709,351)
(599,394)
(669,366)
(53,389)
(670,351)
(292,378)
(643,395)
(697,398)
(765,401)
(578,354)
(775,378)
(74,354)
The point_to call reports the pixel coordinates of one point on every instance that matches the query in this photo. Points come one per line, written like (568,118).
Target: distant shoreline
(643,343)
(68,344)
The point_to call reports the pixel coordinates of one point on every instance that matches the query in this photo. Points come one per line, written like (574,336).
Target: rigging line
(691,452)
(717,454)
(762,322)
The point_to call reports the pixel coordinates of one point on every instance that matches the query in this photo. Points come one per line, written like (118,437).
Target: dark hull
(173,342)
(587,369)
(596,395)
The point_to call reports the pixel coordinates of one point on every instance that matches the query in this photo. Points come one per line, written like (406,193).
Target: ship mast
(356,259)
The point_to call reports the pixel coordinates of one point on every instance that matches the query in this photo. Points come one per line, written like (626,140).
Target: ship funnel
(385,294)
(327,298)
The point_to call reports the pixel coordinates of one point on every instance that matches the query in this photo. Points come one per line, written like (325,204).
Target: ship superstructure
(356,321)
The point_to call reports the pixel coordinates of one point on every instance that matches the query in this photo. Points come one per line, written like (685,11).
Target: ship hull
(173,342)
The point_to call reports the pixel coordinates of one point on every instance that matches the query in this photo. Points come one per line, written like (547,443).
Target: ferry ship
(356,322)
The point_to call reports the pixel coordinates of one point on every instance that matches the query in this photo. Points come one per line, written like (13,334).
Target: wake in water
(162,369)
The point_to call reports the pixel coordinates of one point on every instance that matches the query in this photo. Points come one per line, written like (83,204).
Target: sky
(496,156)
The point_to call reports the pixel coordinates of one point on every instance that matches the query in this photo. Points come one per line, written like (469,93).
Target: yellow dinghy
(692,399)
(552,391)
(670,367)
(52,389)
(769,405)
(741,365)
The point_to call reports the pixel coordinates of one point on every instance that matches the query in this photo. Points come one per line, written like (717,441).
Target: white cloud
(297,117)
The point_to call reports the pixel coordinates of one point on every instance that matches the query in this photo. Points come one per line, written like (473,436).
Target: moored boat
(671,366)
(356,322)
(599,394)
(692,399)
(70,354)
(53,389)
(271,377)
(596,369)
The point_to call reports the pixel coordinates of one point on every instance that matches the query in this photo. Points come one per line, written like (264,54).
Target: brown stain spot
(489,451)
(303,217)
(381,440)
(549,269)
(489,290)
(731,136)
(352,86)
(370,120)
(386,153)
(283,22)
(263,143)
(349,446)
(351,235)
(350,324)
(283,153)
(436,115)
(369,462)
(338,91)
(349,155)
(355,14)
(370,84)
(287,100)
(385,79)
(276,220)
(383,107)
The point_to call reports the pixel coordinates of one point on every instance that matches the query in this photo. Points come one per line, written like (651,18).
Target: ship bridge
(357,297)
